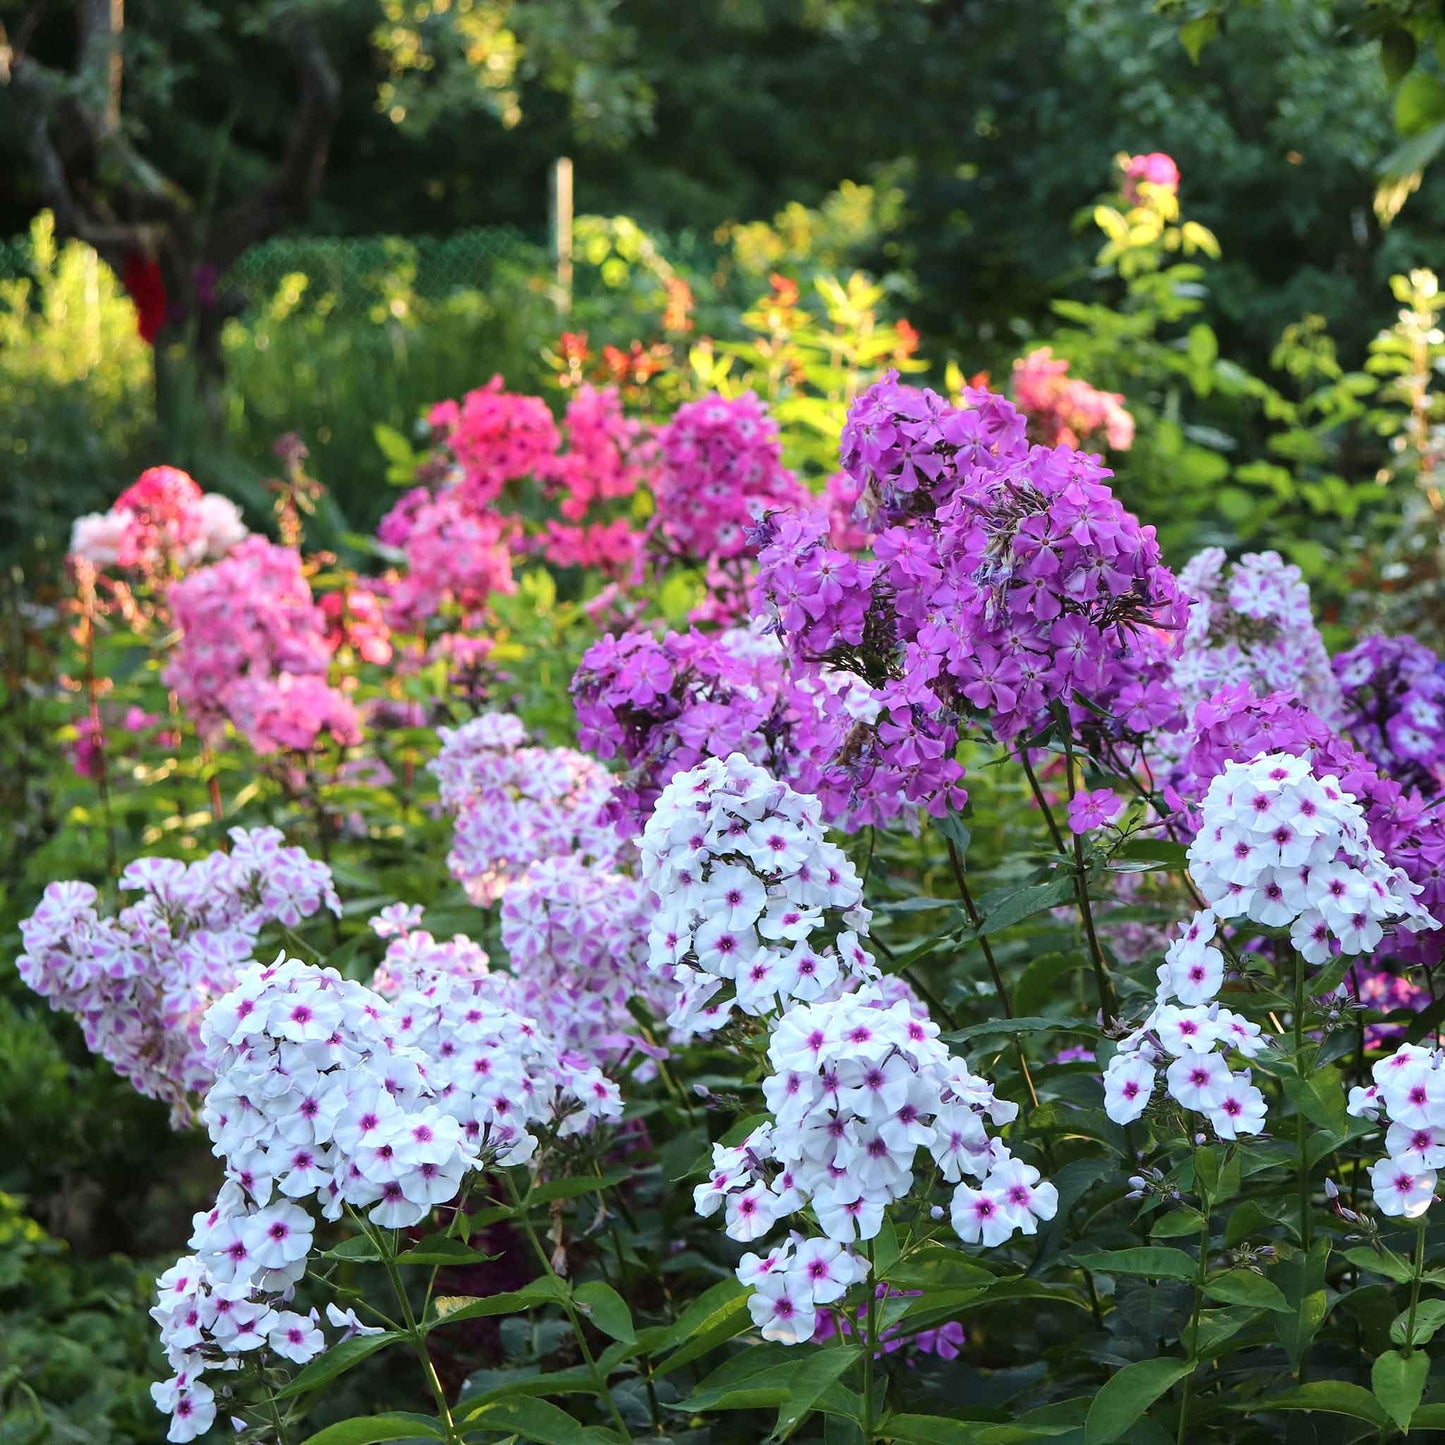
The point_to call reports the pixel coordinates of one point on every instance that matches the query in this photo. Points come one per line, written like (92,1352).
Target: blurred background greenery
(949,149)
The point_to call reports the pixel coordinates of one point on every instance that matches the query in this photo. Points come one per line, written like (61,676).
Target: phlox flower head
(515,804)
(755,908)
(719,469)
(139,982)
(162,519)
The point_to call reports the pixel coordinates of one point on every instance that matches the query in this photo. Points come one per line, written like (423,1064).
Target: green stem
(870,1336)
(1081,890)
(1000,987)
(1419,1270)
(1199,1278)
(385,1248)
(564,1295)
(1306,1222)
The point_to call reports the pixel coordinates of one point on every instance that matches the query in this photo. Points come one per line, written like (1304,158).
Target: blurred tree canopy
(994,121)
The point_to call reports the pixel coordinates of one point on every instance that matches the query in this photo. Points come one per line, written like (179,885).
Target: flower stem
(1306,1222)
(1199,1277)
(1415,1276)
(385,1247)
(870,1336)
(564,1296)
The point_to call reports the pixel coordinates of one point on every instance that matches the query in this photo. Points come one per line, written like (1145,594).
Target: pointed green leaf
(338,1359)
(1244,1287)
(1127,1395)
(369,1431)
(1152,1261)
(1399,1382)
(606,1309)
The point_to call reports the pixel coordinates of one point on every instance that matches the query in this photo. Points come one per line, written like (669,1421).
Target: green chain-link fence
(351,268)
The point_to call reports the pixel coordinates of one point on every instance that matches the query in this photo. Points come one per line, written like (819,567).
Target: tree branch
(289,194)
(101,63)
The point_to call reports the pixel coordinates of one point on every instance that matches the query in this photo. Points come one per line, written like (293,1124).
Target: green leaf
(1152,1261)
(539,1420)
(1397,54)
(571,1188)
(1244,1287)
(769,1375)
(606,1309)
(1331,1397)
(809,1383)
(394,1426)
(1018,1026)
(1035,987)
(441,1249)
(1429,1316)
(394,446)
(1399,1382)
(941,1430)
(450,1309)
(1025,902)
(1177,1224)
(338,1359)
(709,1321)
(1419,103)
(1148,855)
(1414,154)
(1381,1261)
(1195,34)
(1127,1395)
(359,1249)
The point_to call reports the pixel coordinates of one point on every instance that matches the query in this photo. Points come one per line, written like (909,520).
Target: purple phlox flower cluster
(1394,699)
(1383,990)
(755,908)
(576,940)
(140,982)
(1408,1092)
(1283,848)
(946,1341)
(1089,810)
(414,957)
(858,1088)
(1235,726)
(326,1092)
(720,468)
(515,804)
(1251,623)
(253,652)
(661,705)
(1006,579)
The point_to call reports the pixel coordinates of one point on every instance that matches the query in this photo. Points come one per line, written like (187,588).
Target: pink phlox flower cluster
(414,957)
(253,652)
(755,908)
(1097,809)
(576,939)
(162,518)
(720,468)
(1394,697)
(515,804)
(1065,410)
(457,551)
(1154,169)
(354,618)
(608,455)
(1251,624)
(858,1089)
(1005,580)
(140,982)
(496,436)
(1382,990)
(843,506)
(1408,1092)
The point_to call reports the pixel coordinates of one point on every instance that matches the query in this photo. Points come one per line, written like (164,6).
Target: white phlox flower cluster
(515,804)
(1288,850)
(139,982)
(325,1091)
(756,909)
(860,1085)
(1409,1093)
(1191,1038)
(1284,849)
